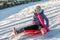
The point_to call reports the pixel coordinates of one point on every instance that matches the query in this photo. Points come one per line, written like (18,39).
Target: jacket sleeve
(45,18)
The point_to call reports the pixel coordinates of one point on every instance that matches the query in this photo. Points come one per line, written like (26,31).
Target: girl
(37,13)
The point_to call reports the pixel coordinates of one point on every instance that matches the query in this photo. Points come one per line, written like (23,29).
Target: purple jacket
(37,21)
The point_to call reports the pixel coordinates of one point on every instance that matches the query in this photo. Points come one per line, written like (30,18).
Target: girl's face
(37,9)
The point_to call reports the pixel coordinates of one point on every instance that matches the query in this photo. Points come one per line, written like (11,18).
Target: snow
(22,16)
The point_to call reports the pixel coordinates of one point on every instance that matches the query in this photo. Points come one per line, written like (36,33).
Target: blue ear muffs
(40,10)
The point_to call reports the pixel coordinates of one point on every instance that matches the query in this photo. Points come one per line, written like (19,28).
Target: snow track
(25,17)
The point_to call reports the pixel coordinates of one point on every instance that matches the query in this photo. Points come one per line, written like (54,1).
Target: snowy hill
(25,16)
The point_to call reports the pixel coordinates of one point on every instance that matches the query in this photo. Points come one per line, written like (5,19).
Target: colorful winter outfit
(44,17)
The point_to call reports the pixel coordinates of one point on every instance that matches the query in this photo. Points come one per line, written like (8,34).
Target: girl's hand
(33,23)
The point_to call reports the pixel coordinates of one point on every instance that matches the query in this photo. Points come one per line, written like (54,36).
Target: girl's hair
(38,7)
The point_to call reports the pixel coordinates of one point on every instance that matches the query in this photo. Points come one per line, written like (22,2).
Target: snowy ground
(22,15)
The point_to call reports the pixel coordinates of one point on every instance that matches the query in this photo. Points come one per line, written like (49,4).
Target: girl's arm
(46,19)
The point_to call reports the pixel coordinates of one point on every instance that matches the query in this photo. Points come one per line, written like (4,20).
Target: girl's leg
(33,27)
